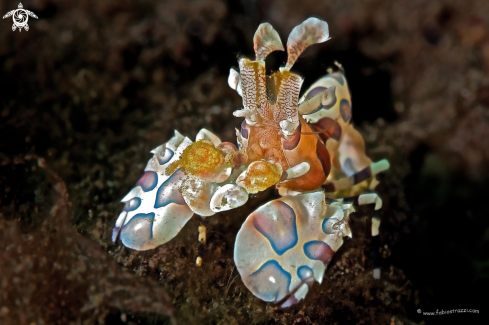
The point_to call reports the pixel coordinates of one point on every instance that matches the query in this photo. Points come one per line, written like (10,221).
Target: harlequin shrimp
(305,147)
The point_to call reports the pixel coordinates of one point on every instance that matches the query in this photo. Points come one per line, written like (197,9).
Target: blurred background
(93,86)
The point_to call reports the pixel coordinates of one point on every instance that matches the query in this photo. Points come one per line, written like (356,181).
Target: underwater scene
(244,162)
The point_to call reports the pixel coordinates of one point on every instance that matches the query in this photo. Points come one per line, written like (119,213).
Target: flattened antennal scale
(287,99)
(266,41)
(311,31)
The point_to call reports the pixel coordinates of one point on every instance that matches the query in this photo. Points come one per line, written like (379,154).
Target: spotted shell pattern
(333,121)
(155,210)
(286,244)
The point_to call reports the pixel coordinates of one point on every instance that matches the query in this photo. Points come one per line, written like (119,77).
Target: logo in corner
(20,17)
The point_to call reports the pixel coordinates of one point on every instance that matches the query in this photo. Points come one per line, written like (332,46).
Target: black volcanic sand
(93,86)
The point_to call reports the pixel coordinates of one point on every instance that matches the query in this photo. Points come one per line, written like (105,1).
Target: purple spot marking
(148,181)
(280,229)
(329,128)
(168,156)
(138,229)
(348,167)
(132,204)
(328,224)
(270,282)
(305,272)
(168,191)
(292,142)
(345,110)
(318,250)
(314,92)
(323,156)
(244,130)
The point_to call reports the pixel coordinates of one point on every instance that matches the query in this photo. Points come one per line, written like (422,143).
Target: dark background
(93,86)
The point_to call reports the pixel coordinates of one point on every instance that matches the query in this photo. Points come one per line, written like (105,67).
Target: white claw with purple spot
(286,244)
